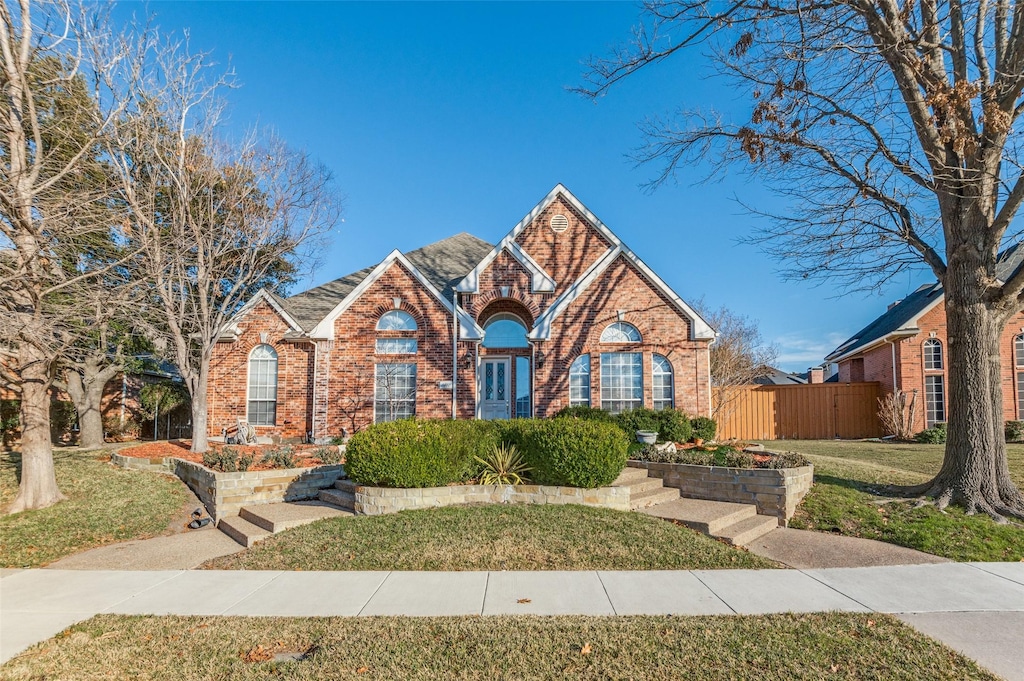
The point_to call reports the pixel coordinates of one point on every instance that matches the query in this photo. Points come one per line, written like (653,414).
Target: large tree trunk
(86,391)
(38,487)
(200,440)
(975,451)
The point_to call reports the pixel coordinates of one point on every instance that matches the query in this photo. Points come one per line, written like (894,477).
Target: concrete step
(242,531)
(652,497)
(629,475)
(709,517)
(748,529)
(282,516)
(644,485)
(346,501)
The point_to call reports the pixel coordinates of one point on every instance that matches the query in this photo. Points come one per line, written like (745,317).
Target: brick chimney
(816,375)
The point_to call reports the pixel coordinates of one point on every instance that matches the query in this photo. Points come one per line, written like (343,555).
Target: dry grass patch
(105,504)
(816,646)
(492,537)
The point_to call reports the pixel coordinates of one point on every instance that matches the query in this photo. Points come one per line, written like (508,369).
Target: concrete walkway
(805,549)
(36,604)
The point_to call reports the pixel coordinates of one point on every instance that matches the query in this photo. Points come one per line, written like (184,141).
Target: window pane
(396,320)
(396,346)
(935,400)
(522,388)
(395,393)
(579,381)
(620,332)
(622,385)
(932,354)
(505,331)
(1018,349)
(1020,394)
(662,383)
(262,405)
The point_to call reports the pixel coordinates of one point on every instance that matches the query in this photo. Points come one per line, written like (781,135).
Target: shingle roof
(443,263)
(900,316)
(779,377)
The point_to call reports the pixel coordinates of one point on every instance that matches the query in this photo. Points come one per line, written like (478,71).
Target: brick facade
(326,385)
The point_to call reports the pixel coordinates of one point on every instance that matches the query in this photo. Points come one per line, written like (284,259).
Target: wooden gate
(801,412)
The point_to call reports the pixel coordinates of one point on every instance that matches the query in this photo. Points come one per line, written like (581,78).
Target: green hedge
(569,452)
(413,453)
(705,428)
(583,411)
(670,424)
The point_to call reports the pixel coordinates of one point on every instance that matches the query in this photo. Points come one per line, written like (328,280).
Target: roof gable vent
(559,223)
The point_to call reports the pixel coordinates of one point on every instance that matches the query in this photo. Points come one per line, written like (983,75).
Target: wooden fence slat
(802,412)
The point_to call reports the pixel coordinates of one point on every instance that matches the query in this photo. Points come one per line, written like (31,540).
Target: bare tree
(897,413)
(54,202)
(739,356)
(891,126)
(216,220)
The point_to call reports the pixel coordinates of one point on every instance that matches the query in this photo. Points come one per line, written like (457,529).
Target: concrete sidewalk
(36,604)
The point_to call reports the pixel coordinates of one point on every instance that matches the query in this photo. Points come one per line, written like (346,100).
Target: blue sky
(438,118)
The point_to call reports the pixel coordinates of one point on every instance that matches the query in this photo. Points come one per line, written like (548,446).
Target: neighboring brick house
(559,312)
(906,349)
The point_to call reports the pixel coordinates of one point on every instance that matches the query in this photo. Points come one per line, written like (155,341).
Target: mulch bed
(180,449)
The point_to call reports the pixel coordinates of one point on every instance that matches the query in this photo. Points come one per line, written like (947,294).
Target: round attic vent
(559,223)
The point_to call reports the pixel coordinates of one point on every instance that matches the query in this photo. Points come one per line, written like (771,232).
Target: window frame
(257,417)
(618,404)
(1018,370)
(410,398)
(407,320)
(666,370)
(930,350)
(581,360)
(618,327)
(506,317)
(934,401)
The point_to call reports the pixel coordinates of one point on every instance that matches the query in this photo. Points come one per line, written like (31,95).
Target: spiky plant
(504,465)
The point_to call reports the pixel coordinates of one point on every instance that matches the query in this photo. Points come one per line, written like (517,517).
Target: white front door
(493,389)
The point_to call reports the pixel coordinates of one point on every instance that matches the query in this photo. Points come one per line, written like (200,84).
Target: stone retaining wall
(382,500)
(776,492)
(224,494)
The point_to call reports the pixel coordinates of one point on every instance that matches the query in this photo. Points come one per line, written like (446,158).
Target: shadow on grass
(876,489)
(11,460)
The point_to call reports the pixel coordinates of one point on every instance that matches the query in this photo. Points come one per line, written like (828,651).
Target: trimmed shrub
(414,453)
(673,426)
(585,412)
(704,428)
(936,435)
(569,452)
(642,418)
(1014,431)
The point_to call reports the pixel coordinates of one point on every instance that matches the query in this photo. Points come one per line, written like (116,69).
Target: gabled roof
(901,318)
(773,376)
(442,263)
(699,329)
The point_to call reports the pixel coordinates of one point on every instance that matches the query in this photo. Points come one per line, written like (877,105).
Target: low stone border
(382,500)
(224,494)
(775,491)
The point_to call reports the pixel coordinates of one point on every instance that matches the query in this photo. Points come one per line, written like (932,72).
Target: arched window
(934,383)
(932,354)
(396,320)
(579,381)
(661,378)
(1018,361)
(505,330)
(263,386)
(620,332)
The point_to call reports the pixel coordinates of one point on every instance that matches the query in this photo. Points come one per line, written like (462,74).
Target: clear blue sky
(450,117)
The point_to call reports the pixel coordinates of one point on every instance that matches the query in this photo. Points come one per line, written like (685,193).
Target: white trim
(263,294)
(540,281)
(248,383)
(469,329)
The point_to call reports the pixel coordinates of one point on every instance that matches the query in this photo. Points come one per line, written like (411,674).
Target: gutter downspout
(895,387)
(455,350)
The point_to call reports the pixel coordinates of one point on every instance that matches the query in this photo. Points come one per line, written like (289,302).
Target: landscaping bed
(812,646)
(492,537)
(304,456)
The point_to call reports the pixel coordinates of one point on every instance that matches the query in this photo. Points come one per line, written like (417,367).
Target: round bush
(568,452)
(1014,431)
(412,453)
(704,427)
(642,418)
(673,426)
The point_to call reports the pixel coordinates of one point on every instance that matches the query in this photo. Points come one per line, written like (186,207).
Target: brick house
(559,312)
(906,349)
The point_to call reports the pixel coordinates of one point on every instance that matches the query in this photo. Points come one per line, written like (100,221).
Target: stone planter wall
(224,494)
(776,492)
(382,500)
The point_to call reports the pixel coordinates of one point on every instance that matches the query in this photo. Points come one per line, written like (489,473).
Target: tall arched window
(934,383)
(505,330)
(1018,363)
(620,332)
(579,381)
(661,379)
(263,386)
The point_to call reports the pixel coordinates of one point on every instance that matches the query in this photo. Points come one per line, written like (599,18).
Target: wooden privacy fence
(801,412)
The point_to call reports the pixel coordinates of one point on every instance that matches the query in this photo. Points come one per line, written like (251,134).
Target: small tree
(897,414)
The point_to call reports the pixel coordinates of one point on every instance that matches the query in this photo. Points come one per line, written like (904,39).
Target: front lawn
(816,646)
(105,504)
(850,497)
(492,537)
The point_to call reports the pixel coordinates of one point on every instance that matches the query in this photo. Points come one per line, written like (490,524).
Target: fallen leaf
(362,670)
(871,623)
(258,654)
(524,600)
(834,668)
(585,650)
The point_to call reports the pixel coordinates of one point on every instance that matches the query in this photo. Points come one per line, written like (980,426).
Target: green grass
(494,537)
(817,646)
(105,504)
(851,497)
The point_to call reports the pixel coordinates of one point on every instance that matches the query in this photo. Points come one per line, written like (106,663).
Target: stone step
(242,531)
(283,516)
(709,517)
(652,497)
(748,529)
(644,485)
(336,497)
(629,475)
(346,485)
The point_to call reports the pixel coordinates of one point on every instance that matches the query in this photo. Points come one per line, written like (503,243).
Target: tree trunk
(87,394)
(975,451)
(200,441)
(38,487)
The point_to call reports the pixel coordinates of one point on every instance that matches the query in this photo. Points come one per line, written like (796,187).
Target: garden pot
(647,437)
